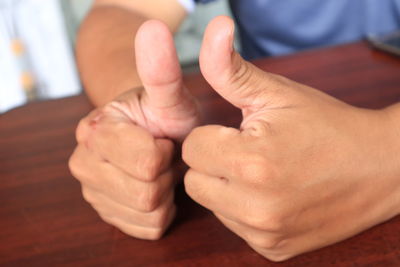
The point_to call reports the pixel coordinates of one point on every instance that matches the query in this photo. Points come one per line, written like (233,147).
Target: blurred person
(304,170)
(37,60)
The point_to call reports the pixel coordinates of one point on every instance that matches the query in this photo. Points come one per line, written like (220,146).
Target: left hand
(304,171)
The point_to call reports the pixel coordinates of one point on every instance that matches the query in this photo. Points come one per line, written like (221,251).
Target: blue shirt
(275,27)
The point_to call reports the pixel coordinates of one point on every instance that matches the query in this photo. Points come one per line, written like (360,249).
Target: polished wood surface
(44,220)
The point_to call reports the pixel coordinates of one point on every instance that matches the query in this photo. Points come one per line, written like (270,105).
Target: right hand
(125,148)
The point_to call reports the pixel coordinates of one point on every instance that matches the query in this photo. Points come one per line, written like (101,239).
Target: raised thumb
(159,70)
(167,106)
(238,81)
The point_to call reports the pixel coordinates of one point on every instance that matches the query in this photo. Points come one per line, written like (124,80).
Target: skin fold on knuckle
(150,162)
(190,185)
(103,140)
(150,197)
(254,168)
(86,125)
(264,219)
(266,242)
(76,167)
(161,218)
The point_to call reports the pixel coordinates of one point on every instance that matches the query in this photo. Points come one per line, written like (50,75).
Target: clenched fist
(125,148)
(303,171)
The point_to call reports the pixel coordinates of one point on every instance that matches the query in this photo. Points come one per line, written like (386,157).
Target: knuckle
(155,234)
(118,126)
(106,131)
(149,198)
(271,221)
(161,217)
(159,220)
(275,255)
(254,167)
(88,197)
(110,131)
(81,130)
(84,125)
(267,243)
(191,188)
(105,214)
(73,163)
(108,219)
(151,163)
(278,257)
(76,167)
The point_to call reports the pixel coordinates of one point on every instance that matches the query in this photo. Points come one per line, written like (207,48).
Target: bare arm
(105,46)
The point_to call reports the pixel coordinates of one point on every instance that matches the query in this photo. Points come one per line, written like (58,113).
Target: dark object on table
(389,43)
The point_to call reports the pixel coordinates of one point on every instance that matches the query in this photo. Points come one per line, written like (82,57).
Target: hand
(124,152)
(304,171)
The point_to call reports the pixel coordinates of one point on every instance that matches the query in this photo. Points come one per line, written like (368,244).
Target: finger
(107,207)
(159,70)
(256,237)
(158,64)
(213,193)
(225,152)
(86,125)
(232,200)
(238,81)
(137,230)
(131,148)
(95,173)
(272,254)
(213,150)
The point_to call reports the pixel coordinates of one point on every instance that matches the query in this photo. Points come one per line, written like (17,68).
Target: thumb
(238,81)
(159,70)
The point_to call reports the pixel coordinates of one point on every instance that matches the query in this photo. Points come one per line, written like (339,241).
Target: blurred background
(37,39)
(187,40)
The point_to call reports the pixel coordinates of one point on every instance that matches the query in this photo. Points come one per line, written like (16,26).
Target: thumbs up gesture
(124,152)
(303,171)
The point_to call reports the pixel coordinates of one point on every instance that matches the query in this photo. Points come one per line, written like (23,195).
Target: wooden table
(45,222)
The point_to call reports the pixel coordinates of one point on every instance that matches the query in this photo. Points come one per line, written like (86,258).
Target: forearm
(105,52)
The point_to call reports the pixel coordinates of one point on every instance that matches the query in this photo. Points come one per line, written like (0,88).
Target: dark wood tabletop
(44,220)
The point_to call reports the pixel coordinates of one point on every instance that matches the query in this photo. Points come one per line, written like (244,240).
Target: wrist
(391,135)
(377,161)
(393,115)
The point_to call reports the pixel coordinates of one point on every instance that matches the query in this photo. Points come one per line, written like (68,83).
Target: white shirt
(37,60)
